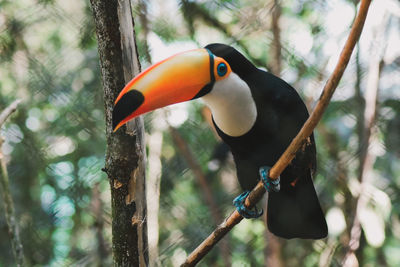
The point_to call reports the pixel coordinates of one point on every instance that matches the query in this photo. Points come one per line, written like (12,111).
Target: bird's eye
(222,69)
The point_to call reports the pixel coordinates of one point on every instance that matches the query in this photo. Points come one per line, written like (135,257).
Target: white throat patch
(232,105)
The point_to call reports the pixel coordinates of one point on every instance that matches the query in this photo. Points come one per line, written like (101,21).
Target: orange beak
(180,78)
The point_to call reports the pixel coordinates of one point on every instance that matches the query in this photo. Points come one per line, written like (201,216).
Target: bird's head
(179,78)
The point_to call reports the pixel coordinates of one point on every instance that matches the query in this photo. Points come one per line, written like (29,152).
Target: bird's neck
(232,106)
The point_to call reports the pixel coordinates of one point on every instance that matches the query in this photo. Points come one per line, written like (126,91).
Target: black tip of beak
(126,105)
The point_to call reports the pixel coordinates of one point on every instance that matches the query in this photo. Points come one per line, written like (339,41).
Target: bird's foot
(271,185)
(243,210)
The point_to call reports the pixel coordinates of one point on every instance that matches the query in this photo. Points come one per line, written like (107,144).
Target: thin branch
(8,111)
(257,193)
(276,46)
(273,245)
(197,171)
(13,229)
(201,179)
(153,181)
(144,21)
(97,210)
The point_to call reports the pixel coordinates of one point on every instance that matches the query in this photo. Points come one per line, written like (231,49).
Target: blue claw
(271,185)
(241,208)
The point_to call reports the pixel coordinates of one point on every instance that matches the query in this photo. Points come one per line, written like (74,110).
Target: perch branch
(12,224)
(257,193)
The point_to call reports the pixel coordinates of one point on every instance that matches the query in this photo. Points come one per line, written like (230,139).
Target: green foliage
(55,143)
(164,29)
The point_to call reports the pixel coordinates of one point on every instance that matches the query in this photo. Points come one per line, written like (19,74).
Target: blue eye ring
(222,69)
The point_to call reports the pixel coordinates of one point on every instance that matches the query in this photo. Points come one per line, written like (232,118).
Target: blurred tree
(54,145)
(12,223)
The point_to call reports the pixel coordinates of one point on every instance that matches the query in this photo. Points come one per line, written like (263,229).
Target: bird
(255,113)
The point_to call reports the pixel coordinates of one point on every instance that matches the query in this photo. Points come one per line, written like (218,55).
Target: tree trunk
(125,148)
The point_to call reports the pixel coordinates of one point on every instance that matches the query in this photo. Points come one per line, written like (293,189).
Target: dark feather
(294,211)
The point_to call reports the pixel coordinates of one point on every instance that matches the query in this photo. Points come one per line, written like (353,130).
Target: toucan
(255,113)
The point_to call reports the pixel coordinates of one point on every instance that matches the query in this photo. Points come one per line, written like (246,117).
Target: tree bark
(125,148)
(153,184)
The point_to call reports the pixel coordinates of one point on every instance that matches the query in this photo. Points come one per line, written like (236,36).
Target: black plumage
(295,210)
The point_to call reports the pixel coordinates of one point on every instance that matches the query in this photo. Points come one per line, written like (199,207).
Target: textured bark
(125,150)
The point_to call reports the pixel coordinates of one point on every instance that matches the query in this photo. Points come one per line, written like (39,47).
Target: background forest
(55,143)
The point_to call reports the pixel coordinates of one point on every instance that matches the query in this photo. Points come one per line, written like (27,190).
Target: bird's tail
(295,212)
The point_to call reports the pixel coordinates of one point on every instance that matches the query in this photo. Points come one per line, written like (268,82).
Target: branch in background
(153,181)
(257,193)
(197,171)
(359,99)
(273,245)
(97,210)
(201,179)
(12,224)
(8,111)
(145,28)
(192,10)
(154,144)
(366,158)
(207,116)
(341,182)
(276,46)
